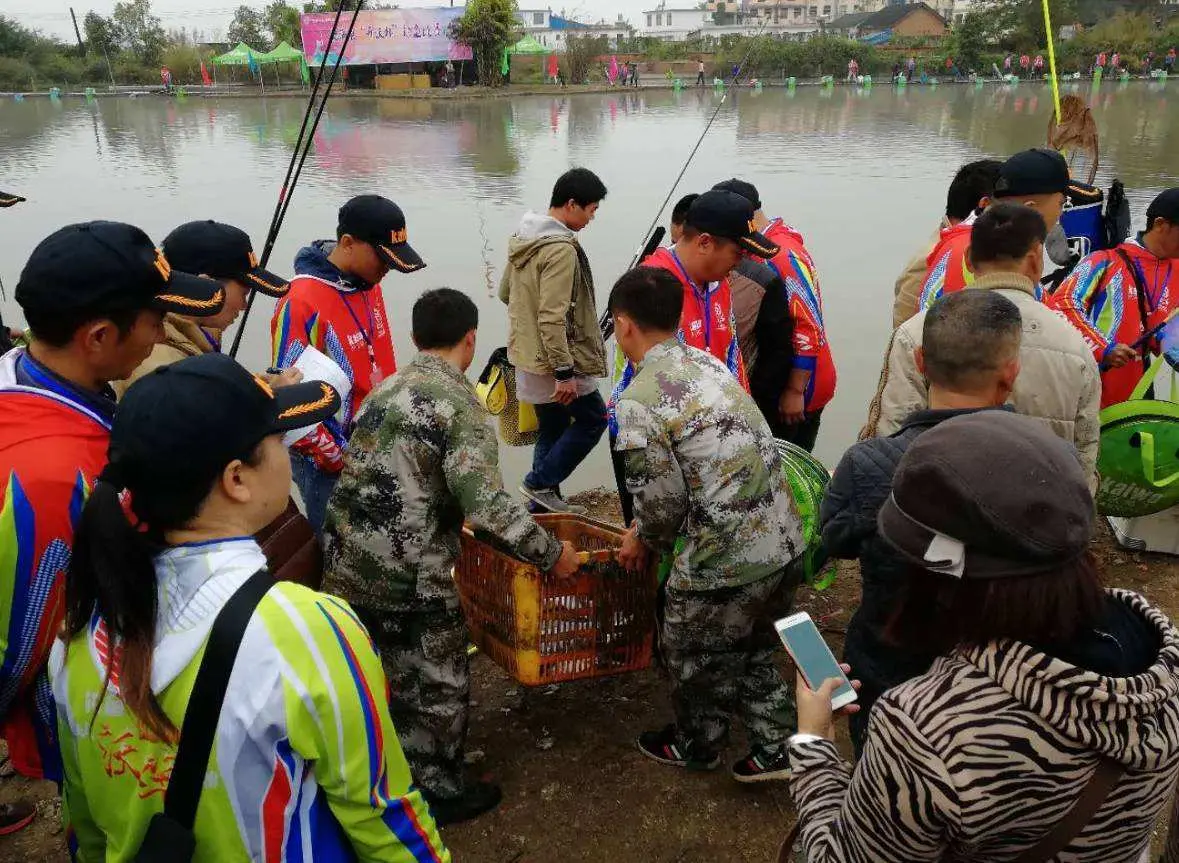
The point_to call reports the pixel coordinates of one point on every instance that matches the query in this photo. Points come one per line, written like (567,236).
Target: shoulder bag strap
(1096,790)
(208,692)
(1140,284)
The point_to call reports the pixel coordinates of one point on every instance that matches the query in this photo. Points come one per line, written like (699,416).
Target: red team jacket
(795,267)
(352,328)
(51,450)
(706,321)
(947,268)
(1100,299)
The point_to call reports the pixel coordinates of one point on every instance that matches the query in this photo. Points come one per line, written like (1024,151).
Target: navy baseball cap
(743,188)
(1165,206)
(730,216)
(7,199)
(114,265)
(223,252)
(1038,171)
(194,416)
(380,223)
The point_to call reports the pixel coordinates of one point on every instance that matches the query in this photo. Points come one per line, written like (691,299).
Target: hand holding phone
(823,685)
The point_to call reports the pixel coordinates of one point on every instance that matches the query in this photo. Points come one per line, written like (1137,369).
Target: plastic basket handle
(1146,446)
(602,556)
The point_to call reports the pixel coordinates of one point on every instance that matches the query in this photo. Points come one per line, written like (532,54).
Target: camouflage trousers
(718,647)
(424,653)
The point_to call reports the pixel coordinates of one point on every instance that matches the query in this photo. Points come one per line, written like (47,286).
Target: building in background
(889,22)
(551,30)
(674,24)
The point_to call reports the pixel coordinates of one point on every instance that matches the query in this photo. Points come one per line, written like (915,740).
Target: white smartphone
(813,657)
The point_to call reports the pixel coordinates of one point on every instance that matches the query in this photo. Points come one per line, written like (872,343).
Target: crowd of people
(1009,705)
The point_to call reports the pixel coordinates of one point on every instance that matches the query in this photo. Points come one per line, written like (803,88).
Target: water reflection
(862,172)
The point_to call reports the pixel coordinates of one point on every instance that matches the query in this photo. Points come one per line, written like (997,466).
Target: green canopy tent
(528,45)
(242,55)
(283,52)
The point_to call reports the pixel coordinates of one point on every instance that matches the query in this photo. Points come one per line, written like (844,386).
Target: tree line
(131,45)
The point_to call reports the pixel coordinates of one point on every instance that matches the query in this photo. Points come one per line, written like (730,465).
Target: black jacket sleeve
(844,525)
(774,332)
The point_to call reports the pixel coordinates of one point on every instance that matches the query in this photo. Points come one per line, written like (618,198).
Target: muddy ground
(575,787)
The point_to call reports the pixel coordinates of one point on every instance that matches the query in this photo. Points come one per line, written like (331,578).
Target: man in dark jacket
(970,356)
(764,333)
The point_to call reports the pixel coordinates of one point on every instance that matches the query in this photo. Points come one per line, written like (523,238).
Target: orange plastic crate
(540,631)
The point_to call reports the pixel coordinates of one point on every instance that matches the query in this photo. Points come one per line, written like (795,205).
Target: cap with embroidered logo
(728,215)
(380,223)
(221,251)
(114,266)
(187,418)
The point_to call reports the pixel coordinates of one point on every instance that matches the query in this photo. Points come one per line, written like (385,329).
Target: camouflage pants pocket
(721,663)
(425,659)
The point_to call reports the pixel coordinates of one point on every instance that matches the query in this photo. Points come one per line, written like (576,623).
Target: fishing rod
(299,155)
(605,323)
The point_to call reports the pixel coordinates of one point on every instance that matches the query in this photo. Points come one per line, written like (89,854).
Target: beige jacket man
(549,291)
(1058,380)
(183,337)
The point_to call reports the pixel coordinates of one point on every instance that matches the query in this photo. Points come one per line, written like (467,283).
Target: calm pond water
(862,174)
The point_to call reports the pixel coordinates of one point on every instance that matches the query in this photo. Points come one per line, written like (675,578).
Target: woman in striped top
(1042,675)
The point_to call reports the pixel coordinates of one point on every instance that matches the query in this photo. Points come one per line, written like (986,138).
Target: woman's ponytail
(112,573)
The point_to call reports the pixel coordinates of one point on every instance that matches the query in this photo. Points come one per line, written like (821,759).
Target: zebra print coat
(976,759)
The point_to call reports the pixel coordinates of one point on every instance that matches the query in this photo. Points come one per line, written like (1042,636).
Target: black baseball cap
(380,223)
(190,418)
(1039,171)
(1165,206)
(222,252)
(7,199)
(742,188)
(93,264)
(989,495)
(729,215)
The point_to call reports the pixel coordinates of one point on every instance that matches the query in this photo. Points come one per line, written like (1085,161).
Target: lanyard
(701,301)
(214,342)
(372,353)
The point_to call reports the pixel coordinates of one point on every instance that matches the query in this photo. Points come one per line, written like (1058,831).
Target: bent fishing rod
(299,155)
(606,323)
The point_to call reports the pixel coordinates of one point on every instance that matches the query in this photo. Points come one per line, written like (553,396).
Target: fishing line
(605,323)
(299,156)
(732,82)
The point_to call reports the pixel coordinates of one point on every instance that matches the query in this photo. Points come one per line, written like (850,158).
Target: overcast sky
(52,17)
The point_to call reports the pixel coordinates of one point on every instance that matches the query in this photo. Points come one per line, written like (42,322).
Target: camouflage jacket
(702,465)
(422,457)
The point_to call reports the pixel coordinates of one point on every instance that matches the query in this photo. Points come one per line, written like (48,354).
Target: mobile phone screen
(812,655)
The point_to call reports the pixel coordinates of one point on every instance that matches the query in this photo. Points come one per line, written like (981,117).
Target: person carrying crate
(704,469)
(422,458)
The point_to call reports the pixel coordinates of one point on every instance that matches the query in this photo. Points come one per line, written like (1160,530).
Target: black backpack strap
(208,692)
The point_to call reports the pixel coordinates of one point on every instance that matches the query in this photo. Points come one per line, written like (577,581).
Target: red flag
(205,75)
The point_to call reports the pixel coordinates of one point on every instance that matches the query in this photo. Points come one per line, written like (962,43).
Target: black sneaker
(478,798)
(666,747)
(763,765)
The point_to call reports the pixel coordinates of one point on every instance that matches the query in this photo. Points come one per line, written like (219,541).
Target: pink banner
(384,36)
